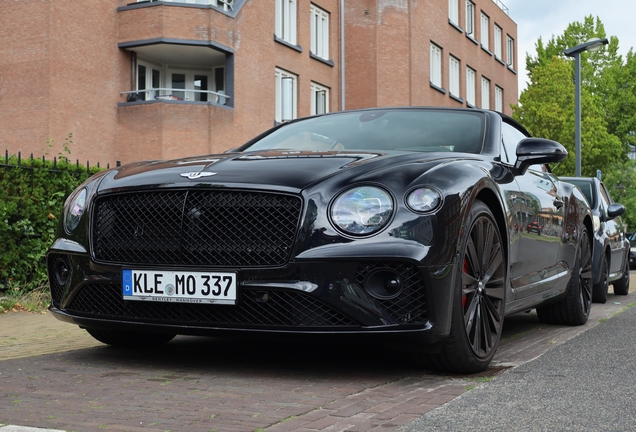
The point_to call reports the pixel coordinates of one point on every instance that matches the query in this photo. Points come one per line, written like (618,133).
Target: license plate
(179,287)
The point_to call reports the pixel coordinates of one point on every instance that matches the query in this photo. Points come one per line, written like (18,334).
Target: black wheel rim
(585,274)
(483,283)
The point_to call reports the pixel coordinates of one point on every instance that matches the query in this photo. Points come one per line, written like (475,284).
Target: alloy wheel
(483,287)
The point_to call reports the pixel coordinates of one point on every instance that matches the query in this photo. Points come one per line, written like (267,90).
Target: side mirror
(535,151)
(615,210)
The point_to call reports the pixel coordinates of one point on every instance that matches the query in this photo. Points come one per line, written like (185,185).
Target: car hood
(293,170)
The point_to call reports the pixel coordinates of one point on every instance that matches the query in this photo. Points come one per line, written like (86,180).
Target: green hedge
(32,195)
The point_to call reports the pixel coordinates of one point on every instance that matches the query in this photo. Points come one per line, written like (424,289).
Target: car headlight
(597,223)
(423,200)
(75,209)
(362,210)
(632,249)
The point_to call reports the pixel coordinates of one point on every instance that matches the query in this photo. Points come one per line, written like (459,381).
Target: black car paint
(326,260)
(632,251)
(610,238)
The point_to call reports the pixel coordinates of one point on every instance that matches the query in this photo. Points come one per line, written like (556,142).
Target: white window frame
(436,65)
(319,20)
(453,76)
(485,28)
(148,95)
(286,96)
(485,93)
(498,99)
(286,20)
(189,82)
(319,99)
(510,51)
(453,11)
(497,35)
(470,85)
(470,18)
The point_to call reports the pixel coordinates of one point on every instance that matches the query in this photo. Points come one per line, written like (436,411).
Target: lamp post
(591,45)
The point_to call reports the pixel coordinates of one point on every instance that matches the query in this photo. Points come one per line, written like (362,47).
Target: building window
(319,32)
(484,30)
(510,51)
(470,19)
(286,20)
(498,42)
(470,86)
(485,93)
(148,77)
(286,85)
(319,99)
(436,65)
(498,99)
(453,11)
(180,81)
(453,76)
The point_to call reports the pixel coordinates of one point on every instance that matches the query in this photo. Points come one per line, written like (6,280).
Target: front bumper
(314,295)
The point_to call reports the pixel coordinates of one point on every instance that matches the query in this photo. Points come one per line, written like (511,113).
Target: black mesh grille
(54,285)
(280,309)
(220,228)
(410,306)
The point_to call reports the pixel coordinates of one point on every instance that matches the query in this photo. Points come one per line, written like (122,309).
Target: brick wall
(61,70)
(388,53)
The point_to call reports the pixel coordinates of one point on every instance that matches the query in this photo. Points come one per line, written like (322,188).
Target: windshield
(586,188)
(397,129)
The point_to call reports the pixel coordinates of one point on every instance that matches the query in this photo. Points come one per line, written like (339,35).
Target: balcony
(224,5)
(171,55)
(502,6)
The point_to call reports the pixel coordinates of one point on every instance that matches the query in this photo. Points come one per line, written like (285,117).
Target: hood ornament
(196,175)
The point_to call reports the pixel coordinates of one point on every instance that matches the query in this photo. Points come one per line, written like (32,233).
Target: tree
(608,107)
(621,181)
(546,108)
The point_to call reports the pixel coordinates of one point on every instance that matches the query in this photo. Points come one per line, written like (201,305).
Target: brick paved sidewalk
(227,386)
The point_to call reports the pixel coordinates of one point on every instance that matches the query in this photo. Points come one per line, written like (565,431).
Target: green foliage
(621,181)
(546,108)
(32,195)
(608,107)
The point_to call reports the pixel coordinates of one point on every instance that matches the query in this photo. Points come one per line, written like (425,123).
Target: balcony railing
(177,94)
(499,3)
(226,5)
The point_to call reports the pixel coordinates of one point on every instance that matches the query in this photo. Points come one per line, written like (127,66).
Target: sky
(547,18)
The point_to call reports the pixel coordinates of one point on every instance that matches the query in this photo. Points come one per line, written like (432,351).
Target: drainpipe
(342,55)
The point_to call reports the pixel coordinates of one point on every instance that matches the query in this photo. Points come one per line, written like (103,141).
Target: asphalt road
(585,384)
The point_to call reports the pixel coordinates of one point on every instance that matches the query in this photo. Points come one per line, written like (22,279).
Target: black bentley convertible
(400,225)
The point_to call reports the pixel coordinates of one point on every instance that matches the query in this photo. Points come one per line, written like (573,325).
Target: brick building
(164,79)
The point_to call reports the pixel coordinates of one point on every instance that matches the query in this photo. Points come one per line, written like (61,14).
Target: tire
(130,339)
(574,308)
(621,286)
(478,298)
(599,291)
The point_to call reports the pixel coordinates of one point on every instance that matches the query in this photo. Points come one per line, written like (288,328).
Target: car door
(534,201)
(614,230)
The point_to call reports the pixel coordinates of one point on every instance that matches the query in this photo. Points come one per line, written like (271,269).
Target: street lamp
(591,45)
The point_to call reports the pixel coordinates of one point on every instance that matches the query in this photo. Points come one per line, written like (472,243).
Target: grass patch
(629,306)
(29,297)
(480,379)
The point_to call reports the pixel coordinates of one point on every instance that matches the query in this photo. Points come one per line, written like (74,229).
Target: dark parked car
(395,225)
(632,251)
(611,248)
(534,227)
